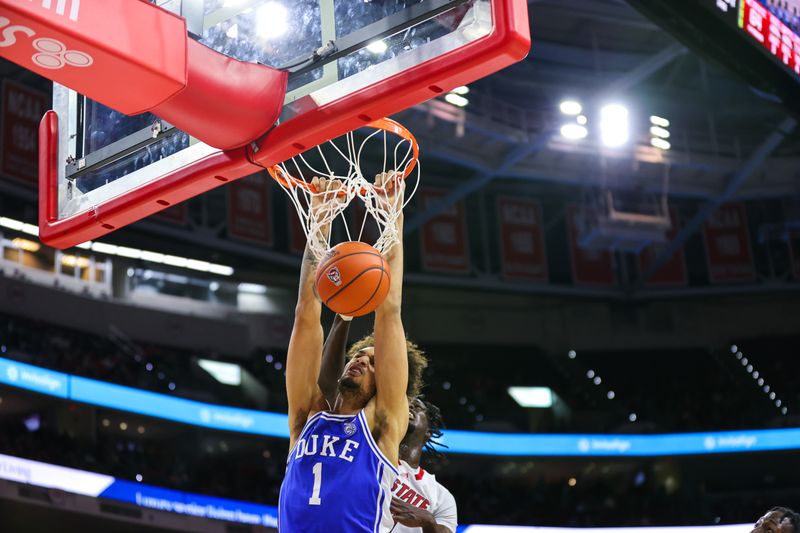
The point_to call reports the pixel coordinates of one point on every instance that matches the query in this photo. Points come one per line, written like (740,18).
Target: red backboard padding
(128,55)
(226,103)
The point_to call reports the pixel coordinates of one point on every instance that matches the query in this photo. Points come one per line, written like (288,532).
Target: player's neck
(347,404)
(411,455)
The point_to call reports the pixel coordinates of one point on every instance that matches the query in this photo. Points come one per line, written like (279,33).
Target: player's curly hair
(794,518)
(417,362)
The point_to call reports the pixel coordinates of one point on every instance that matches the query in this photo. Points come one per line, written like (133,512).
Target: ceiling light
(174,260)
(10,223)
(271,20)
(222,270)
(30,229)
(252,288)
(582,120)
(132,253)
(103,248)
(377,47)
(226,373)
(658,131)
(570,107)
(153,257)
(201,266)
(614,125)
(540,397)
(462,90)
(664,123)
(660,143)
(574,131)
(456,100)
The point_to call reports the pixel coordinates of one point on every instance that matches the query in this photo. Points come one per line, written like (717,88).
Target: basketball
(352,279)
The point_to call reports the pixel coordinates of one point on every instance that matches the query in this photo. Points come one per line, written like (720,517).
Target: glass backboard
(349,62)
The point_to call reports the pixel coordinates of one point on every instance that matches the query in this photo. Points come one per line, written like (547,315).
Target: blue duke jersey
(336,479)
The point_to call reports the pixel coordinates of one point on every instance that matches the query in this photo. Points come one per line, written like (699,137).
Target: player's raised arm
(391,358)
(333,356)
(305,346)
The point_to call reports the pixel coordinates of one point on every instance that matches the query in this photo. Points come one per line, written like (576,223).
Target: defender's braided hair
(435,426)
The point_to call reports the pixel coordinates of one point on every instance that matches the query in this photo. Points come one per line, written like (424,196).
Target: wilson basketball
(353,279)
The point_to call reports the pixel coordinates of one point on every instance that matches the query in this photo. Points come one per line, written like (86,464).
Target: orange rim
(385,124)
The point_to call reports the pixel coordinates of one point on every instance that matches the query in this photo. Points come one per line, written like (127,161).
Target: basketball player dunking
(342,457)
(419,503)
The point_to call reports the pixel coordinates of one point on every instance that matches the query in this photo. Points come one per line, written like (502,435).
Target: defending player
(420,503)
(342,461)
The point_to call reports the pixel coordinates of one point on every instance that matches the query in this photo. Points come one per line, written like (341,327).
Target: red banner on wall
(589,267)
(673,272)
(250,209)
(23,108)
(727,242)
(444,237)
(297,237)
(522,246)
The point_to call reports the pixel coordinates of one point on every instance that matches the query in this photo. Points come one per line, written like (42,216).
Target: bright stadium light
(456,99)
(582,120)
(462,90)
(574,132)
(225,373)
(541,397)
(252,288)
(271,20)
(661,144)
(377,47)
(658,131)
(103,248)
(570,107)
(614,129)
(659,121)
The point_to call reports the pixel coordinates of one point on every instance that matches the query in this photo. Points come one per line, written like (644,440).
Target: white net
(360,173)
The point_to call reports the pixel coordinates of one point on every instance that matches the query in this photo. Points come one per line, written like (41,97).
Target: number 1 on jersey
(314,499)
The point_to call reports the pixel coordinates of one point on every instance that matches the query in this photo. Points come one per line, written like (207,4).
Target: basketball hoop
(398,143)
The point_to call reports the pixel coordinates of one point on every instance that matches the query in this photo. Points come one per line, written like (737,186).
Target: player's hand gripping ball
(352,279)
